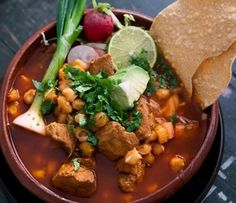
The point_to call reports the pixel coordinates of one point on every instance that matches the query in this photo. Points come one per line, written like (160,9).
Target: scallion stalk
(69,15)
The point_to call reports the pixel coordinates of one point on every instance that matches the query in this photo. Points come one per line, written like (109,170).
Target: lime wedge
(129,41)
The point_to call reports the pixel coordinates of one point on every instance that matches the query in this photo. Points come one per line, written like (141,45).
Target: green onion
(69,14)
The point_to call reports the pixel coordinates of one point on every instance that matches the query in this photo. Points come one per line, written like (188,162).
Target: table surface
(21,18)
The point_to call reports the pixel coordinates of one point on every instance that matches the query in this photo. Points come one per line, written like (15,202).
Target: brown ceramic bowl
(40,190)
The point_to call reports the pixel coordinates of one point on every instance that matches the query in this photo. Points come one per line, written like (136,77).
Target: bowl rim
(30,183)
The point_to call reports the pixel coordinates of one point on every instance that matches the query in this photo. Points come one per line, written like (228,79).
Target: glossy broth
(42,154)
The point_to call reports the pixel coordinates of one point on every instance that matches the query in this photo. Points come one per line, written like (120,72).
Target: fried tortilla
(212,77)
(189,31)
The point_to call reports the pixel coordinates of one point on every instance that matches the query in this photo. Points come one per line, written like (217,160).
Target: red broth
(40,154)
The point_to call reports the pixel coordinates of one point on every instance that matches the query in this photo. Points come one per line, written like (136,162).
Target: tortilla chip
(189,31)
(212,77)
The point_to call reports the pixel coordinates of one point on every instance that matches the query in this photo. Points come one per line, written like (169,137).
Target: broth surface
(40,153)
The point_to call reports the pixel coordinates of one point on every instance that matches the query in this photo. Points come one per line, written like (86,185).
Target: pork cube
(88,162)
(81,182)
(147,121)
(136,170)
(114,141)
(60,133)
(102,64)
(127,183)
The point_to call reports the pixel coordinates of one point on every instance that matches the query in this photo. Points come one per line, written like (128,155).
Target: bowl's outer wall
(37,188)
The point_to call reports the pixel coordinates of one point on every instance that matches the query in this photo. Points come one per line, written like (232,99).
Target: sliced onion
(82,52)
(98,45)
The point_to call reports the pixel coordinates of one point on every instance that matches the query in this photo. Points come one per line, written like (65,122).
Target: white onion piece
(82,52)
(100,52)
(98,45)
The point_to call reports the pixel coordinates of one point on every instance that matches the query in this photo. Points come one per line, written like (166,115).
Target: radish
(82,52)
(98,24)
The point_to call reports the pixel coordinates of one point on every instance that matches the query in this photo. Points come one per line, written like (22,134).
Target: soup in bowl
(95,148)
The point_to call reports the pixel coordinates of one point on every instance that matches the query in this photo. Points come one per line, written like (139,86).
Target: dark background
(19,19)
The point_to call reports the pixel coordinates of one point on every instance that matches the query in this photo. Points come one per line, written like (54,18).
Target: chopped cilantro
(166,78)
(47,107)
(71,127)
(140,60)
(43,86)
(76,164)
(38,85)
(95,91)
(174,119)
(92,139)
(136,122)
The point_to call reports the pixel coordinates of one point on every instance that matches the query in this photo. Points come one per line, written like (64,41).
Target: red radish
(82,52)
(98,25)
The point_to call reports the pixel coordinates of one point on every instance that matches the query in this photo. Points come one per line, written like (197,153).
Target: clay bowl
(40,190)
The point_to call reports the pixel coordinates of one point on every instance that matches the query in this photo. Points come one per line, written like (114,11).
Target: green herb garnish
(92,139)
(136,122)
(97,98)
(174,119)
(47,107)
(166,78)
(76,164)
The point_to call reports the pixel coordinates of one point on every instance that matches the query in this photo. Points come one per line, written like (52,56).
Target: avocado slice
(131,83)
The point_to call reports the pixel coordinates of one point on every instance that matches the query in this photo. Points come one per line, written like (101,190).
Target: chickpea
(64,105)
(50,95)
(87,149)
(81,119)
(101,119)
(63,84)
(158,149)
(163,94)
(13,108)
(149,159)
(162,134)
(152,188)
(13,95)
(29,96)
(78,104)
(144,149)
(177,163)
(69,94)
(39,174)
(81,134)
(132,157)
(152,137)
(61,118)
(77,63)
(61,73)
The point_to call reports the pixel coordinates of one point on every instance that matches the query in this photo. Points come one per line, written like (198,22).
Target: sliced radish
(100,52)
(82,52)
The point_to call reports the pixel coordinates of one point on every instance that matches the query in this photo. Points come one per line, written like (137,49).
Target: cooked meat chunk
(60,133)
(136,170)
(81,183)
(103,63)
(114,141)
(147,119)
(88,163)
(127,183)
